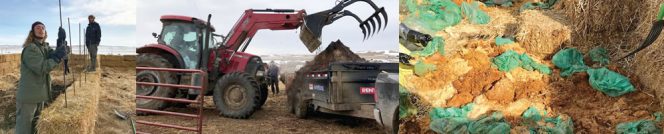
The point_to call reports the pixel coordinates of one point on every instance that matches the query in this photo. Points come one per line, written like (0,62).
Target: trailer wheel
(301,107)
(236,95)
(153,60)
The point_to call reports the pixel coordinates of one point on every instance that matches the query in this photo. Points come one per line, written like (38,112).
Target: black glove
(66,66)
(62,35)
(58,54)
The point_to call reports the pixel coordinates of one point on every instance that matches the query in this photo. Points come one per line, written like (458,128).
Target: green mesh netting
(504,3)
(421,68)
(434,14)
(609,82)
(435,45)
(455,120)
(503,41)
(557,125)
(474,14)
(406,108)
(537,5)
(599,55)
(510,59)
(570,61)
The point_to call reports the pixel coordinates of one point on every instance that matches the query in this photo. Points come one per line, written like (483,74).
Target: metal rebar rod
(73,75)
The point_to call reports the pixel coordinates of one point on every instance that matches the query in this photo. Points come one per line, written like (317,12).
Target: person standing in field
(34,85)
(273,74)
(92,39)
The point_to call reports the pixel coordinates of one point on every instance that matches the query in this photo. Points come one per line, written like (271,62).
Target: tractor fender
(165,51)
(238,63)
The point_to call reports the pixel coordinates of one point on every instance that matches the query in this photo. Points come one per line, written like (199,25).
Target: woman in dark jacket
(34,86)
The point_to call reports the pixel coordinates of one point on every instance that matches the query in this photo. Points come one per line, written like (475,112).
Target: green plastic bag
(561,125)
(570,61)
(422,68)
(438,112)
(411,6)
(434,15)
(530,64)
(535,5)
(474,14)
(609,82)
(599,55)
(532,114)
(500,41)
(504,3)
(661,12)
(641,126)
(506,61)
(435,45)
(638,127)
(510,59)
(406,108)
(494,124)
(454,120)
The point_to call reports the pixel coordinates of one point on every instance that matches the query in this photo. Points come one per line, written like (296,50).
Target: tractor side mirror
(154,35)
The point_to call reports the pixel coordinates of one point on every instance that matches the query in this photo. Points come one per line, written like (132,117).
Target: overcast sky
(117,19)
(226,12)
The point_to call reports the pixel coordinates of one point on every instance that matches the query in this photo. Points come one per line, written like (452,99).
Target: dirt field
(118,94)
(272,118)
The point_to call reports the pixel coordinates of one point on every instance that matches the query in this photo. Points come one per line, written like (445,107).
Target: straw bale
(79,115)
(542,33)
(620,26)
(649,63)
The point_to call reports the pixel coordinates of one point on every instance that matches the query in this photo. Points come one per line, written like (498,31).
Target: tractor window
(182,37)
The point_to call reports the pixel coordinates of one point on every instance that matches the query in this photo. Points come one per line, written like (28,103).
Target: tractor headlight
(260,73)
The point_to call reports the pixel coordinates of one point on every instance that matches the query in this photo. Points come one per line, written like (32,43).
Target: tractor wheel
(236,95)
(153,60)
(263,95)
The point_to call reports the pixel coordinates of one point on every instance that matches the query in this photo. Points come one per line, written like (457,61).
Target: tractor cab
(185,35)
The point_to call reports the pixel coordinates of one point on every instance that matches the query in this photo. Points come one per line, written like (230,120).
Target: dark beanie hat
(35,24)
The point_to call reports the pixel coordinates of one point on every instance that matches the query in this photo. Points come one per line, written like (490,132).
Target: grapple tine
(366,25)
(364,31)
(382,11)
(380,24)
(373,26)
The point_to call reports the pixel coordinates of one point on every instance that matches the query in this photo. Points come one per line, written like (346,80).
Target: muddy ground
(513,92)
(272,118)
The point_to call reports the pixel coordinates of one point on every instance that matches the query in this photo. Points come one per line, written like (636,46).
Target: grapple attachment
(313,24)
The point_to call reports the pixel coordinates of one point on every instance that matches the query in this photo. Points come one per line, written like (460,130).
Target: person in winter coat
(34,86)
(92,39)
(273,73)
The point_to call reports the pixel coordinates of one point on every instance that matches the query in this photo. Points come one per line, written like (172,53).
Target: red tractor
(236,79)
